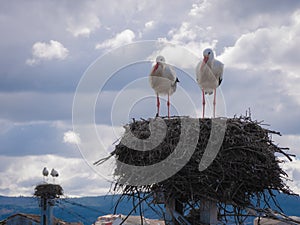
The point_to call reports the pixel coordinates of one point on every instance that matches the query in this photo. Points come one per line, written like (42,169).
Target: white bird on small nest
(209,73)
(163,80)
(45,172)
(54,174)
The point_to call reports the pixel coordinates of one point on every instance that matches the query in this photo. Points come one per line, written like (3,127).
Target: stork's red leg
(203,103)
(168,104)
(157,104)
(214,102)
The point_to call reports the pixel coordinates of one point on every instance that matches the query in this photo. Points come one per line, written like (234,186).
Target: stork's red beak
(205,59)
(155,67)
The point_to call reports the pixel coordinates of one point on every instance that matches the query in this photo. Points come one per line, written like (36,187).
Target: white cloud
(185,33)
(291,168)
(97,143)
(190,36)
(269,47)
(183,41)
(19,175)
(47,51)
(83,25)
(290,141)
(71,137)
(293,171)
(200,8)
(274,51)
(122,38)
(173,55)
(149,24)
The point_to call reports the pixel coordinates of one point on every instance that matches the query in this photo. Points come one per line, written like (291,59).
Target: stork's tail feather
(175,83)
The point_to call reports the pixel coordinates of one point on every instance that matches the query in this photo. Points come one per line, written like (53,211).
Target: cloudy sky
(48,48)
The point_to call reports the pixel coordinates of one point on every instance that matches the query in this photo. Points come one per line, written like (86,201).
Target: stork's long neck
(160,67)
(207,61)
(155,69)
(210,61)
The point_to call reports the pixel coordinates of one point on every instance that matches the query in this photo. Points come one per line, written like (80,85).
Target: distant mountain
(87,209)
(12,205)
(84,209)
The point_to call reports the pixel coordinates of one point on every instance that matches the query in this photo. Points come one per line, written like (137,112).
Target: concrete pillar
(46,211)
(170,206)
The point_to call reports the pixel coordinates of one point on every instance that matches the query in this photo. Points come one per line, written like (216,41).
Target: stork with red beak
(163,80)
(209,73)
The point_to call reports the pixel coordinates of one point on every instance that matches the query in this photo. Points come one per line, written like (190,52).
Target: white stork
(209,74)
(45,172)
(163,80)
(54,174)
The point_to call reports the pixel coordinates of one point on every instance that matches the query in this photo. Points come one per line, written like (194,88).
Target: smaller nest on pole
(48,191)
(245,168)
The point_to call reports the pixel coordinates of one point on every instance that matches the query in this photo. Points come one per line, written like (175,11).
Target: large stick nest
(246,166)
(48,190)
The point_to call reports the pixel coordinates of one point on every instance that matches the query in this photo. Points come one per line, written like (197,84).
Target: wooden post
(208,212)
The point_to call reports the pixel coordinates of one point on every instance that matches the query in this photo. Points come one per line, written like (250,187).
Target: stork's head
(208,55)
(160,60)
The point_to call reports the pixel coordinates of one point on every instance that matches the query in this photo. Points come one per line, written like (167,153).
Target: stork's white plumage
(45,172)
(54,173)
(209,73)
(163,80)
